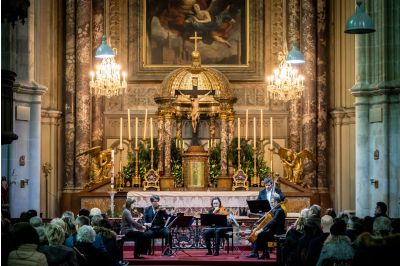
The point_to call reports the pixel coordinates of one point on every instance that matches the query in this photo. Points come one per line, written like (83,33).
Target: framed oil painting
(231,34)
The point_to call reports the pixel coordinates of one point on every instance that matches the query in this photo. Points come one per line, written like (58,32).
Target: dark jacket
(128,223)
(262,195)
(160,217)
(277,223)
(88,254)
(59,255)
(109,239)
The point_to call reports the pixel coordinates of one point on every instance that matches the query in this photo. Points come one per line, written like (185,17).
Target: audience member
(84,212)
(380,209)
(331,212)
(316,244)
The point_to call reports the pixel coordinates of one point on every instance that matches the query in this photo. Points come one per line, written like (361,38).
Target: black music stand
(213,220)
(182,221)
(259,206)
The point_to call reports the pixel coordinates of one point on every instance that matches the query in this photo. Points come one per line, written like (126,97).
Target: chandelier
(107,79)
(285,84)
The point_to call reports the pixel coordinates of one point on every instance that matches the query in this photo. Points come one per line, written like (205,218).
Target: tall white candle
(151,132)
(247,123)
(238,132)
(129,125)
(136,132)
(120,132)
(145,125)
(270,132)
(255,137)
(112,169)
(261,127)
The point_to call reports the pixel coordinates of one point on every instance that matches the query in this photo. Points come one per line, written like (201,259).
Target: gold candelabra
(271,158)
(136,178)
(121,181)
(255,180)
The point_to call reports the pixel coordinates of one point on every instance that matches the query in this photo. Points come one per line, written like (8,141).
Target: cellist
(276,226)
(218,232)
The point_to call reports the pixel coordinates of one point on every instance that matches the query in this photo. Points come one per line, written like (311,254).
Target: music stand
(259,206)
(182,221)
(213,220)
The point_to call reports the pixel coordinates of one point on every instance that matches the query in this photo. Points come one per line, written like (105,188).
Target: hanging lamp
(295,56)
(359,22)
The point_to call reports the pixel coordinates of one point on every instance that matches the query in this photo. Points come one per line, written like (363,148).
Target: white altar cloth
(195,201)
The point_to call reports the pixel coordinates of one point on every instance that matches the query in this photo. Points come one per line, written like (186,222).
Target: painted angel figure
(100,165)
(293,163)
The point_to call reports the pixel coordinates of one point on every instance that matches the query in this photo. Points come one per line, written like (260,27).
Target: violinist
(133,230)
(276,226)
(218,232)
(154,219)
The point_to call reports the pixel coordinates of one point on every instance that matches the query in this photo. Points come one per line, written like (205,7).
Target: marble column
(309,100)
(231,133)
(224,144)
(322,101)
(293,30)
(83,60)
(179,130)
(160,143)
(69,122)
(167,181)
(98,102)
(377,111)
(212,129)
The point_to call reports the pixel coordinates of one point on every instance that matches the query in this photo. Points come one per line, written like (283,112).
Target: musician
(154,219)
(133,230)
(218,232)
(266,193)
(276,226)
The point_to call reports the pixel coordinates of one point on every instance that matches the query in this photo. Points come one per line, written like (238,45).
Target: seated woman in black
(217,232)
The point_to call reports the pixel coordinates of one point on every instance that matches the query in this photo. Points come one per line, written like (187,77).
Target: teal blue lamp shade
(295,56)
(104,50)
(359,22)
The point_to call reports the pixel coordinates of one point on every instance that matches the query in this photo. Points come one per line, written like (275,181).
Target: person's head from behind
(326,223)
(84,212)
(314,211)
(155,199)
(129,203)
(268,183)
(86,234)
(55,234)
(96,220)
(381,208)
(382,226)
(81,221)
(60,222)
(24,233)
(216,202)
(36,221)
(338,228)
(69,214)
(331,212)
(94,211)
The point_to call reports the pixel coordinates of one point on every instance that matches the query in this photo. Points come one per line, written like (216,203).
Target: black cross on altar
(195,92)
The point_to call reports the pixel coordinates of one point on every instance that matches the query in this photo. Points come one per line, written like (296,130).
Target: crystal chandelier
(285,84)
(107,79)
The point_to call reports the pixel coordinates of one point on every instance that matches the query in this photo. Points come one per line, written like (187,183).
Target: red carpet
(195,257)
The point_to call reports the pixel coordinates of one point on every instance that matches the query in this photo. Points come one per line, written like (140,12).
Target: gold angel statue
(293,164)
(100,164)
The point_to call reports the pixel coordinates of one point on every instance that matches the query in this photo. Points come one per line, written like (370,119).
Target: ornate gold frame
(139,70)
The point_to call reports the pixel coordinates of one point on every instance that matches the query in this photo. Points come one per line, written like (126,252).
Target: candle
(92,75)
(151,132)
(136,132)
(262,124)
(145,125)
(238,132)
(247,123)
(208,144)
(120,132)
(112,169)
(123,76)
(255,137)
(270,132)
(129,125)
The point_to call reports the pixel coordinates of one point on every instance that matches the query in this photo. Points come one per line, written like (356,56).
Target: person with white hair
(94,211)
(316,244)
(56,253)
(87,253)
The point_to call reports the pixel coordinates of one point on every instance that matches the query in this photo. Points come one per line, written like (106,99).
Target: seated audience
(316,244)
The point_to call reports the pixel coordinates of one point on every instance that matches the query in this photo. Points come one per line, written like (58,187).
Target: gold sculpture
(293,164)
(100,164)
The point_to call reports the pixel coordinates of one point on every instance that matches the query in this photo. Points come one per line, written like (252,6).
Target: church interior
(108,104)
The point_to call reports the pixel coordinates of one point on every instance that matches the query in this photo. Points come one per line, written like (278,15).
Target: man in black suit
(274,227)
(154,220)
(266,193)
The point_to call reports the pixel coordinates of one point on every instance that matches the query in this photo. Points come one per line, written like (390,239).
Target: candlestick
(136,132)
(247,123)
(120,132)
(145,126)
(129,124)
(151,133)
(262,124)
(238,132)
(92,75)
(255,137)
(270,132)
(112,180)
